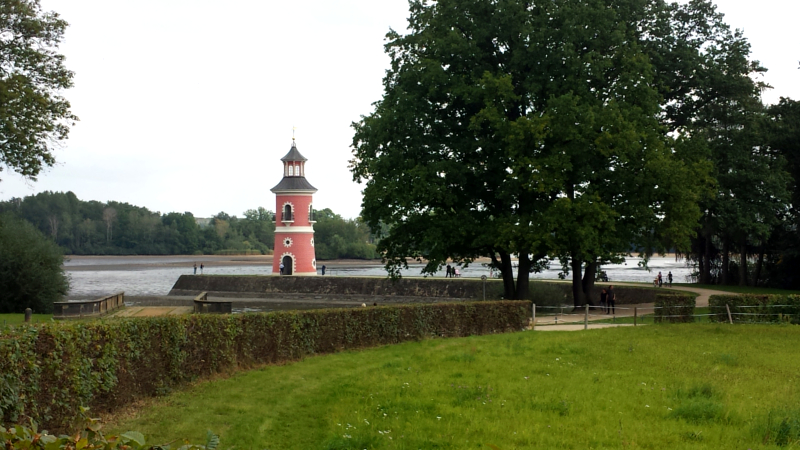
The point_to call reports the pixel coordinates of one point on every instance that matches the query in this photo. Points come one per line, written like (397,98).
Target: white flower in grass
(439,417)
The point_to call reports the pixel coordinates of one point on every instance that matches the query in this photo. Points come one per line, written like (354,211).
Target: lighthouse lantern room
(294,224)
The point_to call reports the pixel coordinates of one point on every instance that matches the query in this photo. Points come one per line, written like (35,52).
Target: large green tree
(31,271)
(527,128)
(33,114)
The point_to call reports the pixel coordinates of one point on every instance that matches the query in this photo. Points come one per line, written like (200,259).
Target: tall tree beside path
(527,128)
(34,116)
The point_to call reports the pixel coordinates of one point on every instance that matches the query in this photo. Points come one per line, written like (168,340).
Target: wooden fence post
(533,326)
(586,318)
(635,313)
(730,318)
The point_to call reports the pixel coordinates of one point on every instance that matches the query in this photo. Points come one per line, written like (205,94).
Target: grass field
(690,386)
(14,319)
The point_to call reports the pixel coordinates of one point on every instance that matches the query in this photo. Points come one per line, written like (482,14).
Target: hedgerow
(752,308)
(49,371)
(674,308)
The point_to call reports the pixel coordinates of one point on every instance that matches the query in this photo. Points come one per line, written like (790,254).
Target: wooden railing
(203,305)
(88,308)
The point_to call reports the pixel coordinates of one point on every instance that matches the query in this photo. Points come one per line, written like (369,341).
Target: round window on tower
(314,263)
(287,242)
(312,242)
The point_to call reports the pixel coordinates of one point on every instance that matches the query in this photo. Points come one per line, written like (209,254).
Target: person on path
(612,300)
(448,274)
(281,267)
(323,269)
(456,273)
(195,268)
(201,268)
(669,277)
(660,279)
(604,301)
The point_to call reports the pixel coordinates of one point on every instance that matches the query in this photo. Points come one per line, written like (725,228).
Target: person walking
(669,278)
(201,268)
(195,268)
(612,300)
(323,269)
(660,279)
(281,267)
(449,272)
(603,300)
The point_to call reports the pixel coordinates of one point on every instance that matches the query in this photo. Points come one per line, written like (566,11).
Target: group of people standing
(201,268)
(608,300)
(452,272)
(659,281)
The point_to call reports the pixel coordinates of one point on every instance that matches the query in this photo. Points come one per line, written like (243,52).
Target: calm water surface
(156,275)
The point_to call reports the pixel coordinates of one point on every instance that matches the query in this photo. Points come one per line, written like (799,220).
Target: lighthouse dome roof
(294,154)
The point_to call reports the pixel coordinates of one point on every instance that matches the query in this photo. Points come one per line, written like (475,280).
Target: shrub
(674,308)
(752,308)
(47,372)
(31,272)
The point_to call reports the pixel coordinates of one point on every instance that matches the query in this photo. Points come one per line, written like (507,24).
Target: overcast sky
(189,105)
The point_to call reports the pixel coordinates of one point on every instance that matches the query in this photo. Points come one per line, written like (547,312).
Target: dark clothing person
(603,300)
(281,267)
(612,300)
(195,268)
(669,277)
(660,280)
(449,271)
(201,268)
(323,269)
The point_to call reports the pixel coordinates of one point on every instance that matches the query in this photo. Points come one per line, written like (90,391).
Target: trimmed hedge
(674,308)
(47,372)
(759,308)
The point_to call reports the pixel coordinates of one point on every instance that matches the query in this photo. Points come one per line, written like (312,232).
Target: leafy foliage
(31,272)
(47,372)
(530,129)
(674,308)
(33,114)
(91,438)
(750,308)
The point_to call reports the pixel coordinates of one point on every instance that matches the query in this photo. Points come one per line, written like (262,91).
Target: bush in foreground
(31,268)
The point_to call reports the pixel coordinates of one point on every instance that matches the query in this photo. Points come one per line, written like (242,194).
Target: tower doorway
(287,265)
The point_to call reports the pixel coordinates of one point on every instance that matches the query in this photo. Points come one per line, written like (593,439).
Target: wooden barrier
(88,308)
(202,305)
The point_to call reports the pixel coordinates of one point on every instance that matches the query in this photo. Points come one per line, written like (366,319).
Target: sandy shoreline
(95,263)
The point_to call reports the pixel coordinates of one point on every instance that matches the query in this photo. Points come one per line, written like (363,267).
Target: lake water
(137,275)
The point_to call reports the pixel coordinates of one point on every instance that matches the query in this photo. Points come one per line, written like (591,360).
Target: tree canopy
(536,128)
(34,116)
(31,272)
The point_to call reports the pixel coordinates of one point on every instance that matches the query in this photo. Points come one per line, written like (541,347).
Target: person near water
(323,269)
(456,273)
(612,300)
(195,268)
(660,279)
(603,300)
(669,278)
(449,272)
(201,268)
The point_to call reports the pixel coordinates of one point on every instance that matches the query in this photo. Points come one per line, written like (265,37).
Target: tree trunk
(759,264)
(577,285)
(743,261)
(523,276)
(725,260)
(588,282)
(705,270)
(507,271)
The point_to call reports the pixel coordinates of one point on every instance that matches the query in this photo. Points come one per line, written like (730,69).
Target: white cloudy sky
(188,105)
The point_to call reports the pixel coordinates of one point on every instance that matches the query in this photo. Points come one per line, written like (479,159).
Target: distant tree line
(115,228)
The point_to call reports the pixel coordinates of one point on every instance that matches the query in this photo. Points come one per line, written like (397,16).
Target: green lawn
(696,386)
(14,319)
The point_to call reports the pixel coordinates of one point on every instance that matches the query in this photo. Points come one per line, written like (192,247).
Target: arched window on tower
(291,170)
(287,213)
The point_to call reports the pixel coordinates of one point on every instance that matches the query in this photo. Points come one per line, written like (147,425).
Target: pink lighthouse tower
(294,224)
